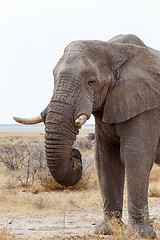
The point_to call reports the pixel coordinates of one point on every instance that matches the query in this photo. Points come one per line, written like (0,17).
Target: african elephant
(119,83)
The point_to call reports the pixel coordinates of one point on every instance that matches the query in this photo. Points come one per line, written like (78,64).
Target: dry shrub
(83,144)
(91,136)
(5,234)
(41,203)
(12,183)
(26,163)
(12,156)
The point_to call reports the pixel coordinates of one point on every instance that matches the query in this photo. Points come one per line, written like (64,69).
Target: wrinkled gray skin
(119,82)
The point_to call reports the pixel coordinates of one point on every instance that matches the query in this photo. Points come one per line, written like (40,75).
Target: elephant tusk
(35,120)
(81,120)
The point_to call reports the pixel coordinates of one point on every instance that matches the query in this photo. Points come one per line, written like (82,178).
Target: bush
(83,145)
(12,156)
(27,160)
(91,136)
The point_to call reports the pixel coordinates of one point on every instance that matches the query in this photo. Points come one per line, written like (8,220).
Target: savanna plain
(34,206)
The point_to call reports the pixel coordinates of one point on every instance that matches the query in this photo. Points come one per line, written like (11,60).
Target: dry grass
(5,234)
(154,187)
(155,174)
(19,202)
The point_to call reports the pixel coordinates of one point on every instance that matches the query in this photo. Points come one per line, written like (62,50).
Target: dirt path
(63,225)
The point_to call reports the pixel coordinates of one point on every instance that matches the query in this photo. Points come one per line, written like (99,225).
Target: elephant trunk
(64,162)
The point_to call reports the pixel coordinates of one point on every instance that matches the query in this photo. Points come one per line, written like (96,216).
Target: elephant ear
(137,86)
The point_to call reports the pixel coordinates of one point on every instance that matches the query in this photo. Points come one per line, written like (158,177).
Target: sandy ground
(77,223)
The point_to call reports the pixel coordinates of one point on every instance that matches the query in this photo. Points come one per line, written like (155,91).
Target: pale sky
(34,33)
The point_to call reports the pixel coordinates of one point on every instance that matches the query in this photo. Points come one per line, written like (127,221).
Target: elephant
(117,81)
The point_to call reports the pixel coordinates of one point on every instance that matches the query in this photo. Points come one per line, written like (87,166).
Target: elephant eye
(92,81)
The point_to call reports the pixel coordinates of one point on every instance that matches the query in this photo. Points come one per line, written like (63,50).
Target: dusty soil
(77,223)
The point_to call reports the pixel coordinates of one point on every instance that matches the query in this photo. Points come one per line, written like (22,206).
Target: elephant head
(114,81)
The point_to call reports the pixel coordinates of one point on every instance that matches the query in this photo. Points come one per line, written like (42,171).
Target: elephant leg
(139,139)
(111,179)
(157,160)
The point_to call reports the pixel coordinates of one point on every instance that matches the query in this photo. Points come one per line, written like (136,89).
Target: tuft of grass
(5,234)
(41,203)
(50,185)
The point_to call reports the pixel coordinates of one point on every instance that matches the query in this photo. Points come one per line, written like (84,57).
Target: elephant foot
(142,231)
(109,227)
(117,227)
